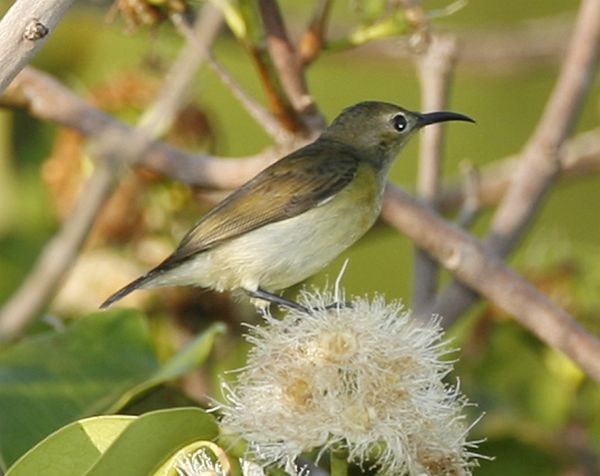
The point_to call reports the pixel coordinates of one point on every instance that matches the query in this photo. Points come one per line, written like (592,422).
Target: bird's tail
(141,282)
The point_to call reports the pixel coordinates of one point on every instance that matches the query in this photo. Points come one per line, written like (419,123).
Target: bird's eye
(399,122)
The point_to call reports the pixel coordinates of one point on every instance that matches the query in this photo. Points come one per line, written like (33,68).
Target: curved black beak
(441,116)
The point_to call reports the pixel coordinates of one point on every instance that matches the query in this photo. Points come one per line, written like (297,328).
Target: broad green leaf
(152,439)
(55,378)
(73,449)
(98,364)
(191,356)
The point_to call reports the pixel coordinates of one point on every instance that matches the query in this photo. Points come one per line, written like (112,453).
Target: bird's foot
(338,305)
(290,304)
(279,300)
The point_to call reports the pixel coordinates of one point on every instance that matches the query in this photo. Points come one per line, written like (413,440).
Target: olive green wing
(289,187)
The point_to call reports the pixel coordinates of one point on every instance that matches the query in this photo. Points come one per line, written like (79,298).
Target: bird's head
(381,129)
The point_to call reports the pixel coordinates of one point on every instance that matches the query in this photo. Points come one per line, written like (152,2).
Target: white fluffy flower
(200,463)
(364,378)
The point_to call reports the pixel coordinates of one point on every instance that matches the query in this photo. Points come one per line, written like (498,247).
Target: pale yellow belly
(284,253)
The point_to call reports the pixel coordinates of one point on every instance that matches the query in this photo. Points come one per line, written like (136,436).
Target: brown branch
(270,124)
(539,163)
(277,100)
(474,265)
(24,29)
(111,153)
(159,117)
(435,70)
(313,38)
(46,98)
(470,190)
(263,117)
(289,66)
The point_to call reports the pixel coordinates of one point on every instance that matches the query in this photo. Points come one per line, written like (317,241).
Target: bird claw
(278,300)
(338,305)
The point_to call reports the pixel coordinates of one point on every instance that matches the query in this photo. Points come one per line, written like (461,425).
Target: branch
(263,117)
(46,98)
(159,117)
(539,163)
(313,38)
(475,266)
(24,29)
(435,70)
(470,191)
(111,151)
(244,22)
(289,66)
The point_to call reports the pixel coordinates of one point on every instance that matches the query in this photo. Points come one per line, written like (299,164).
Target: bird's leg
(275,299)
(338,305)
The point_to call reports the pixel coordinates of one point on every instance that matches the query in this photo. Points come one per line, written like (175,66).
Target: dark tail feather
(121,293)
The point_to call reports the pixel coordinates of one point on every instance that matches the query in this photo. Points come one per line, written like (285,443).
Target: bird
(297,215)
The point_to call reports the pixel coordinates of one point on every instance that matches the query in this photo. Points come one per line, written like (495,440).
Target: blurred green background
(542,413)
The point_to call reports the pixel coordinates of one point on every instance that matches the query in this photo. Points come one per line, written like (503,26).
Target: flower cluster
(362,378)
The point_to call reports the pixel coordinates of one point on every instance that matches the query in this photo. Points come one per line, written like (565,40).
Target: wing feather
(289,187)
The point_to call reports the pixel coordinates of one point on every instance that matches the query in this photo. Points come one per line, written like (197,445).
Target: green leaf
(98,364)
(111,445)
(191,356)
(73,449)
(55,378)
(151,439)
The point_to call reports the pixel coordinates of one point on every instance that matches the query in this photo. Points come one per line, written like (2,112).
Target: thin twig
(313,38)
(251,35)
(159,117)
(435,70)
(540,161)
(471,205)
(289,66)
(60,253)
(263,117)
(24,29)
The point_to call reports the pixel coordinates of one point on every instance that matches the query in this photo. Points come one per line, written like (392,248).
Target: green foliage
(110,445)
(96,366)
(72,449)
(152,438)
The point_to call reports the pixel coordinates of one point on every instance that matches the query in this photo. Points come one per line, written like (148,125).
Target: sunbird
(298,214)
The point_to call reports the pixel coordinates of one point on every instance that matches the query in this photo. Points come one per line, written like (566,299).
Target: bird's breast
(284,253)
